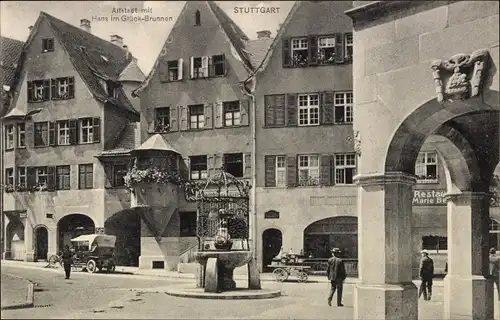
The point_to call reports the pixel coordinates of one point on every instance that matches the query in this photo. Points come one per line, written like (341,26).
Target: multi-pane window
(280,171)
(426,167)
(196,117)
(47,45)
(162,119)
(299,51)
(119,173)
(63,132)
(173,70)
(233,164)
(21,177)
(63,178)
(9,136)
(85,176)
(41,176)
(219,65)
(197,68)
(198,167)
(188,224)
(41,134)
(308,109)
(62,87)
(86,130)
(348,44)
(232,115)
(36,91)
(21,135)
(9,176)
(326,50)
(343,107)
(345,168)
(308,170)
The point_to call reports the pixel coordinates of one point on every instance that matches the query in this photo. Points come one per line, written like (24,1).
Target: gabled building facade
(71,109)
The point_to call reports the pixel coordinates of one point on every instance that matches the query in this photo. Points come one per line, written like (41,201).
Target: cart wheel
(302,276)
(280,274)
(53,260)
(91,266)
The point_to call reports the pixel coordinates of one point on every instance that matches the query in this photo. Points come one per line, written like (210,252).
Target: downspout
(253,160)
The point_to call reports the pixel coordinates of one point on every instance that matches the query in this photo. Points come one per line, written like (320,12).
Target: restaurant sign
(429,197)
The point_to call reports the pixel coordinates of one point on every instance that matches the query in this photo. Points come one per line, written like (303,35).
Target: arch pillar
(468,292)
(29,240)
(385,290)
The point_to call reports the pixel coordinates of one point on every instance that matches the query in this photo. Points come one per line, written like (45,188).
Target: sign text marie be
(429,197)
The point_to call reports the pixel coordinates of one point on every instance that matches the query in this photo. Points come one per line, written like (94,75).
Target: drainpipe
(253,209)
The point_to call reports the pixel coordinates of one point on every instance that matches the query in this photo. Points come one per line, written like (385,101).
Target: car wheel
(91,266)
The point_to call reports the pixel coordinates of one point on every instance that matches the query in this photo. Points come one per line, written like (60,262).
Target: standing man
(426,275)
(336,274)
(495,268)
(67,258)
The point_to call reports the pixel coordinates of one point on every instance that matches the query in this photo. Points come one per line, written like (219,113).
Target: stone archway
(71,226)
(15,240)
(126,226)
(272,242)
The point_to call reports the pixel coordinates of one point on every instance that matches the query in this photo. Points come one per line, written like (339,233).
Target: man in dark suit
(67,258)
(336,274)
(495,268)
(426,275)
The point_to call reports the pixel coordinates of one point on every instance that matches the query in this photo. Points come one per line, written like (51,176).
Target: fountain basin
(226,259)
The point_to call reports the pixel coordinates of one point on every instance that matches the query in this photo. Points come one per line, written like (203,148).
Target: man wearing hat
(495,268)
(426,275)
(336,274)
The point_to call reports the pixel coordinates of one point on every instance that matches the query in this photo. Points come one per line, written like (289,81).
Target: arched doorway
(126,226)
(336,232)
(15,240)
(272,241)
(41,243)
(72,226)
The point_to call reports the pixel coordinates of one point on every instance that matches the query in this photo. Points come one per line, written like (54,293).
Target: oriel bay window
(21,135)
(343,107)
(63,178)
(233,164)
(426,167)
(232,114)
(9,136)
(345,168)
(308,167)
(196,116)
(162,119)
(308,109)
(198,167)
(85,176)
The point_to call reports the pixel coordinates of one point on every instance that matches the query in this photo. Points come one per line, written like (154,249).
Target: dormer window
(197,18)
(113,89)
(47,45)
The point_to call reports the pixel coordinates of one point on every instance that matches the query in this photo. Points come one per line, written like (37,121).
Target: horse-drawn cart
(289,264)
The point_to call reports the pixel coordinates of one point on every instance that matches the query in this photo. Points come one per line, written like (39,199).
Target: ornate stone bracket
(356,139)
(460,77)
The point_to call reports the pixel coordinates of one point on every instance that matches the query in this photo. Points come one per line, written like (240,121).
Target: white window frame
(326,45)
(9,176)
(299,44)
(312,170)
(9,136)
(41,172)
(344,161)
(62,87)
(308,109)
(21,143)
(232,113)
(280,170)
(198,119)
(21,175)
(89,127)
(63,132)
(348,43)
(38,90)
(200,174)
(422,167)
(346,101)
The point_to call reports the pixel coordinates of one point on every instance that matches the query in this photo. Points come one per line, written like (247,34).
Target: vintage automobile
(93,252)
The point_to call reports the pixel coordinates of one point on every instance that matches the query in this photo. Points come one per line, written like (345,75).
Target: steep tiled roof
(257,50)
(114,153)
(90,55)
(156,142)
(10,52)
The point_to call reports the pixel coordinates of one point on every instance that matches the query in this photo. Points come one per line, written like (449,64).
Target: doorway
(41,243)
(272,241)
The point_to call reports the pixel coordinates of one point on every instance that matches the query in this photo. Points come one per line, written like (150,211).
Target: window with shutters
(173,70)
(308,169)
(9,136)
(326,50)
(426,167)
(280,171)
(348,47)
(233,164)
(198,167)
(345,168)
(232,115)
(63,181)
(275,110)
(299,52)
(85,176)
(343,107)
(62,88)
(9,176)
(21,135)
(63,133)
(197,68)
(188,224)
(119,172)
(47,45)
(196,116)
(41,176)
(41,134)
(219,65)
(308,109)
(37,91)
(162,119)
(21,178)
(86,130)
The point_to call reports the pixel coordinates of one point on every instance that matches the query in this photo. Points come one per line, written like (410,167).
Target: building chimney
(263,34)
(85,25)
(30,28)
(116,39)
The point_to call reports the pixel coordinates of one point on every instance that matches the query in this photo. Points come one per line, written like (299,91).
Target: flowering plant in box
(152,175)
(8,188)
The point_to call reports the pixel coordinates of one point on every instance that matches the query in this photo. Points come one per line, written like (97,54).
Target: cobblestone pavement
(14,290)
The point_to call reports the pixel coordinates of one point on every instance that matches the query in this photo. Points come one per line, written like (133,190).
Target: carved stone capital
(461,76)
